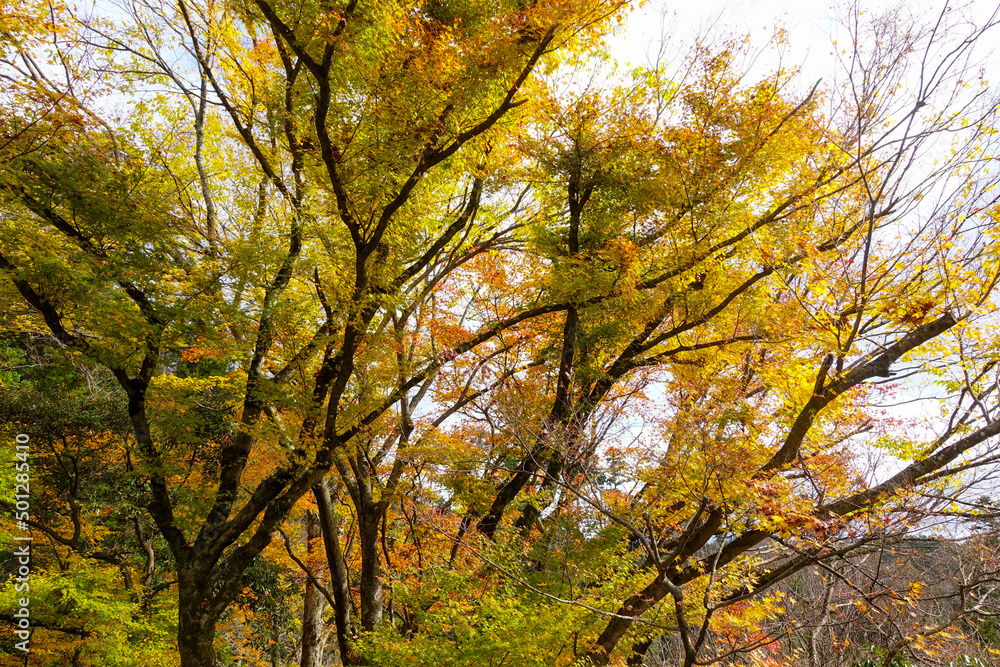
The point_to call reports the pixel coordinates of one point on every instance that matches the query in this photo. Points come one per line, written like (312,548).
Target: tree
(408,257)
(98,585)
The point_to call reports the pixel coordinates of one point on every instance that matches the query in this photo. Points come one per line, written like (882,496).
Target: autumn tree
(329,119)
(101,575)
(555,354)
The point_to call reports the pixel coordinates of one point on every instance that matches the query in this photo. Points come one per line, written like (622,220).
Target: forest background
(425,333)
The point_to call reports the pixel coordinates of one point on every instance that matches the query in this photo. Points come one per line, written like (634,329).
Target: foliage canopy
(427,313)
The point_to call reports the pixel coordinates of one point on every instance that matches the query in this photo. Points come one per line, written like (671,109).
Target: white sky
(811,25)
(685,18)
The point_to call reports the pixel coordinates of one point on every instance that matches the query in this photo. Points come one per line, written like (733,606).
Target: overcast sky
(811,25)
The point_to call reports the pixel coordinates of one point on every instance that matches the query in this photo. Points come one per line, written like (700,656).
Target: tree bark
(312,606)
(639,650)
(338,572)
(371,570)
(195,630)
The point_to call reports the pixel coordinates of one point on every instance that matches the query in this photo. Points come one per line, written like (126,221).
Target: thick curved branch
(871,366)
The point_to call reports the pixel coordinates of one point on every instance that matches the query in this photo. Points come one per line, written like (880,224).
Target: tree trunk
(639,650)
(371,571)
(312,606)
(196,629)
(338,572)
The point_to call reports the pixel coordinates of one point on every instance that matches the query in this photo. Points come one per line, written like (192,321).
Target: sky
(811,25)
(806,20)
